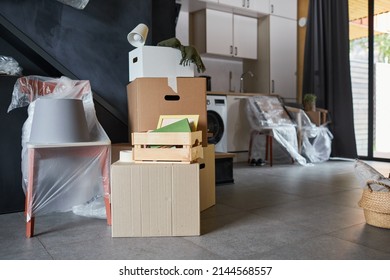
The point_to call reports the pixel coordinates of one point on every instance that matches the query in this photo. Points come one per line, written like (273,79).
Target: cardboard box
(155,199)
(148,98)
(207,178)
(154,61)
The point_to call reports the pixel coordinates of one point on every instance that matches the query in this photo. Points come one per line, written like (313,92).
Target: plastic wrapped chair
(301,140)
(66,152)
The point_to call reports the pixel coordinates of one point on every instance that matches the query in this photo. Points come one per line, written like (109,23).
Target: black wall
(48,38)
(91,44)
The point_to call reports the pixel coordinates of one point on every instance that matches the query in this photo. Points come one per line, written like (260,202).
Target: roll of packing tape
(126,156)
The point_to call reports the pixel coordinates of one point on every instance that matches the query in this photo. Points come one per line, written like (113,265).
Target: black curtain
(327,70)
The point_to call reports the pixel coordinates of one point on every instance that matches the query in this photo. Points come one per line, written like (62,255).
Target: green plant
(309,102)
(309,98)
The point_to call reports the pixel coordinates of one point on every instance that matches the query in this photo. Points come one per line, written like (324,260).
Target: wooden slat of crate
(166,138)
(185,154)
(190,146)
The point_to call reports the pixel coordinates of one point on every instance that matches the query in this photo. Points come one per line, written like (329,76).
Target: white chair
(66,153)
(290,127)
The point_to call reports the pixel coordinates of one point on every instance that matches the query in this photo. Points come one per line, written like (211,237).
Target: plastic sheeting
(316,141)
(78,4)
(9,66)
(366,173)
(292,130)
(64,177)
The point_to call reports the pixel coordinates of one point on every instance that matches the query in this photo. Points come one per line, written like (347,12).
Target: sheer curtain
(327,70)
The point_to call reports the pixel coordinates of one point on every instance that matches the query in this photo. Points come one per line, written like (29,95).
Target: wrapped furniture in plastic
(296,137)
(315,141)
(78,4)
(9,66)
(65,158)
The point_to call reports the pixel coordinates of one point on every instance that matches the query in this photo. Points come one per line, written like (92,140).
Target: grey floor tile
(13,225)
(64,228)
(281,212)
(252,198)
(22,248)
(33,254)
(349,198)
(146,248)
(366,235)
(313,214)
(238,236)
(323,248)
(218,210)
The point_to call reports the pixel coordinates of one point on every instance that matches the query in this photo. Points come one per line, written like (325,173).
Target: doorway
(370,72)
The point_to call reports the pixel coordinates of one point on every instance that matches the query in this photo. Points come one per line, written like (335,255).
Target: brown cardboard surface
(155,199)
(207,178)
(148,98)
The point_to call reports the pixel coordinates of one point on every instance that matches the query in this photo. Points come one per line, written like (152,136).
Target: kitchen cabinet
(283,8)
(275,69)
(238,128)
(260,6)
(223,33)
(283,56)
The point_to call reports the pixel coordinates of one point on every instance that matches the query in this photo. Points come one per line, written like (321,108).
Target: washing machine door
(215,127)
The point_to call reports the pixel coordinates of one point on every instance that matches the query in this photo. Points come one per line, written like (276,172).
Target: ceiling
(358,12)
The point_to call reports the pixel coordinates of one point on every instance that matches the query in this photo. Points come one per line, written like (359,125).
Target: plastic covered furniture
(66,152)
(298,138)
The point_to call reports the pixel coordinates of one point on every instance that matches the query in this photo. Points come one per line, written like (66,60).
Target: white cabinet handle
(231,49)
(272,9)
(235,51)
(247,3)
(243,3)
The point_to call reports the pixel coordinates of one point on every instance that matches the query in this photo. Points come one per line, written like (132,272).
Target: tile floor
(287,212)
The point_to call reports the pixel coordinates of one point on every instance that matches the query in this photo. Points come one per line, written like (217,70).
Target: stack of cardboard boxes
(162,198)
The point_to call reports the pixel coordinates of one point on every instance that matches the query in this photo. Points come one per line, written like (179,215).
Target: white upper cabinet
(224,33)
(284,8)
(276,66)
(260,6)
(245,37)
(219,33)
(283,57)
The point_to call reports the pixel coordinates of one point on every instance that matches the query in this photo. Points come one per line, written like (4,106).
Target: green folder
(182,125)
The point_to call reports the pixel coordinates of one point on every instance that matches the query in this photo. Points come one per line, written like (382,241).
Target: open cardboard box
(148,98)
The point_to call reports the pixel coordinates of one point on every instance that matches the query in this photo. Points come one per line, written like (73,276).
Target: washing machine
(216,122)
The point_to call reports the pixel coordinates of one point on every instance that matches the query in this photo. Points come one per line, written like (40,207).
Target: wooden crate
(183,147)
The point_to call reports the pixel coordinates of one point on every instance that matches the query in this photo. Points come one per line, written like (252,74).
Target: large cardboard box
(155,61)
(148,98)
(207,178)
(155,199)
